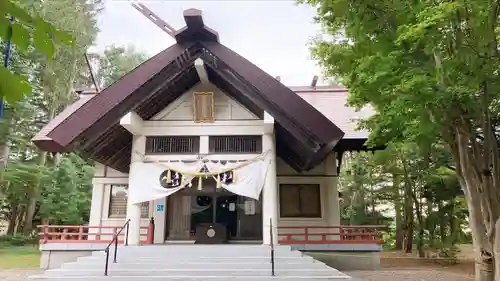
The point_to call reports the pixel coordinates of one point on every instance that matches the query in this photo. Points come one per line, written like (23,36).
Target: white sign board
(249,207)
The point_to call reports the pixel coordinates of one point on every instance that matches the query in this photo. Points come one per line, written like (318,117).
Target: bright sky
(271,34)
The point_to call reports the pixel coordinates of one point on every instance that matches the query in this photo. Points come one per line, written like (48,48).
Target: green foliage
(404,187)
(430,71)
(26,193)
(18,240)
(26,30)
(116,62)
(420,64)
(67,191)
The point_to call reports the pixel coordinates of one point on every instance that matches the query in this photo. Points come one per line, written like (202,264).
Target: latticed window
(172,144)
(203,107)
(235,144)
(118,203)
(300,201)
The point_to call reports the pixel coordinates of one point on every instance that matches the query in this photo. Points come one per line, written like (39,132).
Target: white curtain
(249,179)
(144,179)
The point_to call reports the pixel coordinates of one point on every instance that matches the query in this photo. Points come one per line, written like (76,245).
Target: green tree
(116,62)
(57,77)
(22,28)
(67,192)
(430,70)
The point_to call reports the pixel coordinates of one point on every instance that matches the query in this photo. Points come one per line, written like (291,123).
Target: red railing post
(64,235)
(306,233)
(151,232)
(45,233)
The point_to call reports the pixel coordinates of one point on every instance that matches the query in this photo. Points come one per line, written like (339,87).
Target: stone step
(183,258)
(204,246)
(180,255)
(190,265)
(195,263)
(193,250)
(190,278)
(193,272)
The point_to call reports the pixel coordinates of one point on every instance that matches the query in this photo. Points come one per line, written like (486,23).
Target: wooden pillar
(179,215)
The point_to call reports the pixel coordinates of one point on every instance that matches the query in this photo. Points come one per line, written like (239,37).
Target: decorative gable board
(225,107)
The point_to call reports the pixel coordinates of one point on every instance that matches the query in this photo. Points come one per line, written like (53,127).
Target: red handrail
(81,234)
(337,234)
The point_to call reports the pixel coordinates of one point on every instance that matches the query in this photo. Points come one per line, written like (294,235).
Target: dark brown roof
(304,135)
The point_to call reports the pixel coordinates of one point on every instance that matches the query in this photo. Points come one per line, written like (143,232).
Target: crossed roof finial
(195,29)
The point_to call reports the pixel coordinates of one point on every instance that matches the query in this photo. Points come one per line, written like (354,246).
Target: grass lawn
(19,257)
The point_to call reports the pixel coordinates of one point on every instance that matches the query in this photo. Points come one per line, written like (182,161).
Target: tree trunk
(30,210)
(496,252)
(442,224)
(408,239)
(409,220)
(398,217)
(11,228)
(420,245)
(421,226)
(454,228)
(20,219)
(431,224)
(479,189)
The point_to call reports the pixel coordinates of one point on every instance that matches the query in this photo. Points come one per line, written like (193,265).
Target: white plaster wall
(283,169)
(104,178)
(325,175)
(225,107)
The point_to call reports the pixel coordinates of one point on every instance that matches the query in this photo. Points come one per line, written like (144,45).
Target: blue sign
(160,207)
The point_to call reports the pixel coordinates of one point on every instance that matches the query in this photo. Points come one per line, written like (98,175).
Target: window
(235,144)
(172,144)
(118,203)
(300,201)
(203,107)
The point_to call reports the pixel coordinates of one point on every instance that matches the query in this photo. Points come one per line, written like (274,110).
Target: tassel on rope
(169,176)
(200,183)
(218,181)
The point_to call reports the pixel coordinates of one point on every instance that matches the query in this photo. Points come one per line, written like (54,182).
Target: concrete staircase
(195,263)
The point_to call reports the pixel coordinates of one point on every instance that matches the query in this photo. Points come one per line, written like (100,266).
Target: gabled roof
(331,101)
(304,135)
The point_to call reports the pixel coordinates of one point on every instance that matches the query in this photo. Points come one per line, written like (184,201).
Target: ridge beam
(202,72)
(133,123)
(268,123)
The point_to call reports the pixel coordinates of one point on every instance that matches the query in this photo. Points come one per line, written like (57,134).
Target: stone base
(346,261)
(54,255)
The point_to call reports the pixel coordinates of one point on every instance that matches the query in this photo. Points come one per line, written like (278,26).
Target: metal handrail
(115,241)
(271,242)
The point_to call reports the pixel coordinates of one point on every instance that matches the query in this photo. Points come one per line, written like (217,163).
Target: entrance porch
(191,213)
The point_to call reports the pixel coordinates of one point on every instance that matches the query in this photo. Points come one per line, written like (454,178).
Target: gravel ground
(17,274)
(380,275)
(408,275)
